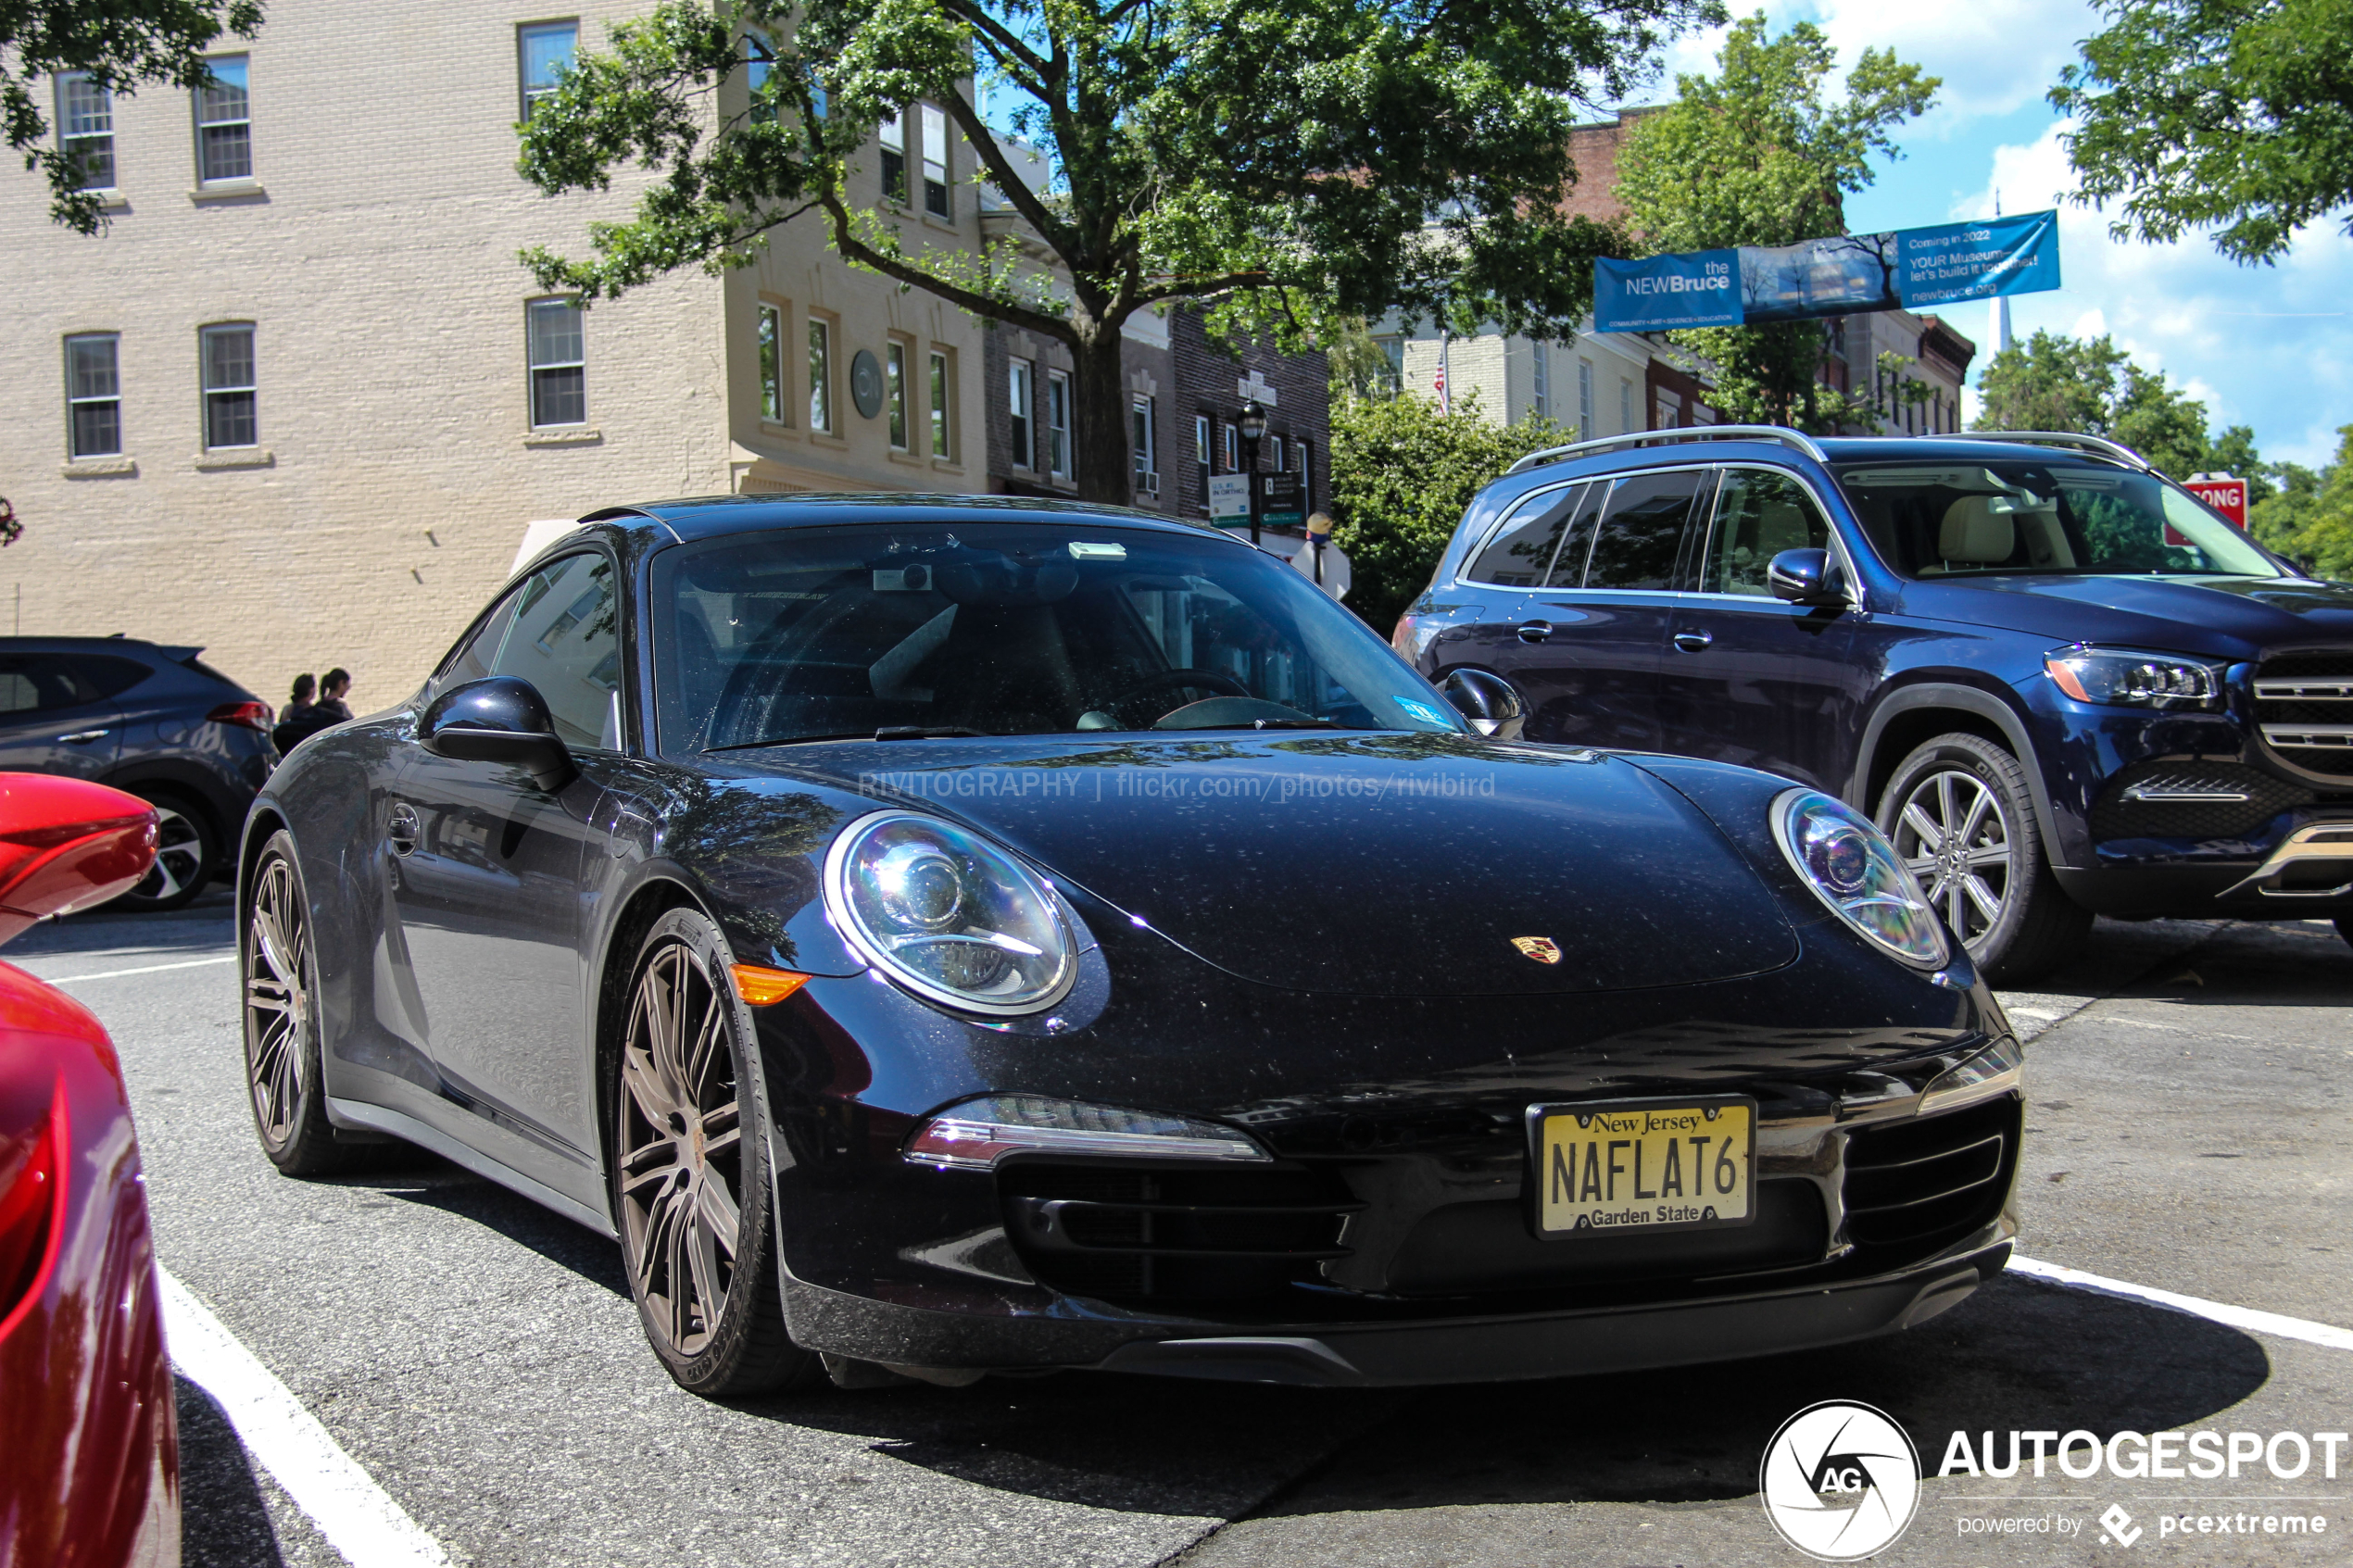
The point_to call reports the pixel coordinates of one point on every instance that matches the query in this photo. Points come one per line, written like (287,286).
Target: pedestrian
(331,687)
(294,721)
(324,714)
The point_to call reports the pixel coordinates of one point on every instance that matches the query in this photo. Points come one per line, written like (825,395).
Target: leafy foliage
(2088,386)
(1279,165)
(123,43)
(1760,155)
(2235,115)
(1403,475)
(2310,518)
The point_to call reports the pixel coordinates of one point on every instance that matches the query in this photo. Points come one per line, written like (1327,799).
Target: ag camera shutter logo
(1840,1481)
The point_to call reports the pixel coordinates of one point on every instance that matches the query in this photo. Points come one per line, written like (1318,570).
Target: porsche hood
(1366,864)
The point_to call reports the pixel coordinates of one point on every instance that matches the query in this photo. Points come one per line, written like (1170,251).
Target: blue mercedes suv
(2062,685)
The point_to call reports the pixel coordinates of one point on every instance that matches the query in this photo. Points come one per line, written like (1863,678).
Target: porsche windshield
(2059,517)
(888,630)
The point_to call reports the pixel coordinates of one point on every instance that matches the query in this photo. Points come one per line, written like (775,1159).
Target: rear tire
(1962,818)
(278,974)
(691,1194)
(187,853)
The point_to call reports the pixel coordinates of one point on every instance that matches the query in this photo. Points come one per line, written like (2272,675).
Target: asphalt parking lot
(480,1360)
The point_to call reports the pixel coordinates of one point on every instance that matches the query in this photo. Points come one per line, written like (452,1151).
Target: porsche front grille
(1914,1185)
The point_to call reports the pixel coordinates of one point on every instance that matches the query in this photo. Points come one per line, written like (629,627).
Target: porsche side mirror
(1806,577)
(501,719)
(1488,701)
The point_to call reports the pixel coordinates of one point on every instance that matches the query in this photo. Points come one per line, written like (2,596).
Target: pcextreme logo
(1840,1481)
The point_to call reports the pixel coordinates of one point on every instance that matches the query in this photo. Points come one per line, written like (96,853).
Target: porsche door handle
(84,737)
(1535,631)
(1694,641)
(402,829)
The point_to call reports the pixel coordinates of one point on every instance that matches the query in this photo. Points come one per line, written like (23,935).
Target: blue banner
(1842,275)
(1661,292)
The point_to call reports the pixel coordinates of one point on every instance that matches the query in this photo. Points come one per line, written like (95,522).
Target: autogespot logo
(1840,1481)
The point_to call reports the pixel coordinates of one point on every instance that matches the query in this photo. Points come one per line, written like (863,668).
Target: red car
(90,1465)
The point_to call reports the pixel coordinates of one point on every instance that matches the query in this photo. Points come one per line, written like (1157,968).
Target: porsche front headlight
(948,915)
(1847,861)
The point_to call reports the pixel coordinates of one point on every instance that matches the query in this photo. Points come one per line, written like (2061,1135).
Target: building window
(228,386)
(1584,400)
(935,163)
(85,131)
(940,447)
(1392,375)
(771,362)
(1229,443)
(1624,406)
(1543,380)
(893,159)
(820,375)
(224,123)
(1306,472)
(547,49)
(1019,398)
(895,393)
(1146,449)
(1058,424)
(1201,453)
(94,397)
(559,364)
(759,65)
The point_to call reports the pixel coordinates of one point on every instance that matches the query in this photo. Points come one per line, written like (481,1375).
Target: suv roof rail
(1781,434)
(2099,445)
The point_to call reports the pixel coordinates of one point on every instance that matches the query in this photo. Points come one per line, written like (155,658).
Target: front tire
(1962,818)
(187,854)
(278,975)
(690,1180)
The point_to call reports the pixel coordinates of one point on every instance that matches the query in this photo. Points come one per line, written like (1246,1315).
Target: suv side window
(1522,555)
(566,642)
(1760,513)
(1642,531)
(39,683)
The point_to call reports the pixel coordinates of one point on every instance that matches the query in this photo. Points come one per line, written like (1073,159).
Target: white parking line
(357,1517)
(144,969)
(2244,1318)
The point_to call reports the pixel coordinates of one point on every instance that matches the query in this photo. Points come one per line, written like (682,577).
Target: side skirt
(410,1130)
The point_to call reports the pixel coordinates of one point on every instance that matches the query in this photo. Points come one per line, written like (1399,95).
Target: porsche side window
(565,640)
(472,659)
(1642,531)
(1760,513)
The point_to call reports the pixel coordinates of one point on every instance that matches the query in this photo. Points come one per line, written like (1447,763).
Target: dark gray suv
(157,722)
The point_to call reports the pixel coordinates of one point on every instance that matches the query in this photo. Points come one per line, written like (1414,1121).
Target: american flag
(1445,407)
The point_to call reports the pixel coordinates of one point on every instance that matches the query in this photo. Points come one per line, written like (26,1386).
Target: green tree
(1279,165)
(1761,155)
(2233,115)
(2090,386)
(2310,519)
(122,44)
(1403,475)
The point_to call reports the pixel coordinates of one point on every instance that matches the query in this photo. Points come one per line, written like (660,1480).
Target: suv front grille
(1170,1236)
(1916,1184)
(2304,702)
(2192,800)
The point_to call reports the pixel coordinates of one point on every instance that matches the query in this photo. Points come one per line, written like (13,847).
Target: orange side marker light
(760,986)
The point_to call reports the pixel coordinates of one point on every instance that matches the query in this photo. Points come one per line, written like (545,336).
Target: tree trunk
(1099,420)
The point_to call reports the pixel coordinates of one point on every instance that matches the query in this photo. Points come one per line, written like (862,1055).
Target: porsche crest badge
(1543,949)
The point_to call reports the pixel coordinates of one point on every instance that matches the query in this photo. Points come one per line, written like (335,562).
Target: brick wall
(1207,377)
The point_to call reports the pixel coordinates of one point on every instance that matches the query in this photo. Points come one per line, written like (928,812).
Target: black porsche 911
(939,935)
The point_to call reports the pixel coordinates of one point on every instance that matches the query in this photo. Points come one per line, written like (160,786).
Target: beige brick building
(297,405)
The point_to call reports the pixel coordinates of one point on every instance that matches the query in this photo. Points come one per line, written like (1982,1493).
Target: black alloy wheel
(278,982)
(187,854)
(690,1183)
(1962,819)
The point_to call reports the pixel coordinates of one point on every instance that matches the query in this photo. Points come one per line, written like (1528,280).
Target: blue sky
(2266,346)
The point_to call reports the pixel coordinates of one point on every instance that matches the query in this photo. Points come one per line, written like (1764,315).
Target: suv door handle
(1694,641)
(82,738)
(401,829)
(1535,631)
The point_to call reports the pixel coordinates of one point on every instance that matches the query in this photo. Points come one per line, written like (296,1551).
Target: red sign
(2222,493)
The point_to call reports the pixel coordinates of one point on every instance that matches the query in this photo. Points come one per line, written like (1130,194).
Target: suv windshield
(1029,628)
(2059,517)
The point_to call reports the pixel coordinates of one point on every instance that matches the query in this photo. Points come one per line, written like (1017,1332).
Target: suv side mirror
(502,720)
(1806,577)
(1488,701)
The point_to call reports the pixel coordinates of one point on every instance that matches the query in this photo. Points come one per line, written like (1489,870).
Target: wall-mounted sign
(1229,495)
(866,382)
(1279,500)
(1906,269)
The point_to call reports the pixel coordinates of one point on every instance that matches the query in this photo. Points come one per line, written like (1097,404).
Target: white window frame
(1303,465)
(891,135)
(1229,447)
(937,200)
(942,386)
(1543,378)
(1201,454)
(1143,418)
(1584,400)
(820,375)
(895,394)
(1624,406)
(212,115)
(1058,424)
(1021,397)
(538,366)
(95,124)
(110,399)
(768,360)
(216,392)
(531,92)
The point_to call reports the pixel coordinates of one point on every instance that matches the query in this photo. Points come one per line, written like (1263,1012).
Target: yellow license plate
(1610,1167)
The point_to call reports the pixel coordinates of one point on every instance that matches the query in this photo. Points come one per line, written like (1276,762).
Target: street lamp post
(1252,424)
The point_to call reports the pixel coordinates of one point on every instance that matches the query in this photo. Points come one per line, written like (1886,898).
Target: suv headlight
(1847,861)
(948,915)
(2134,680)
